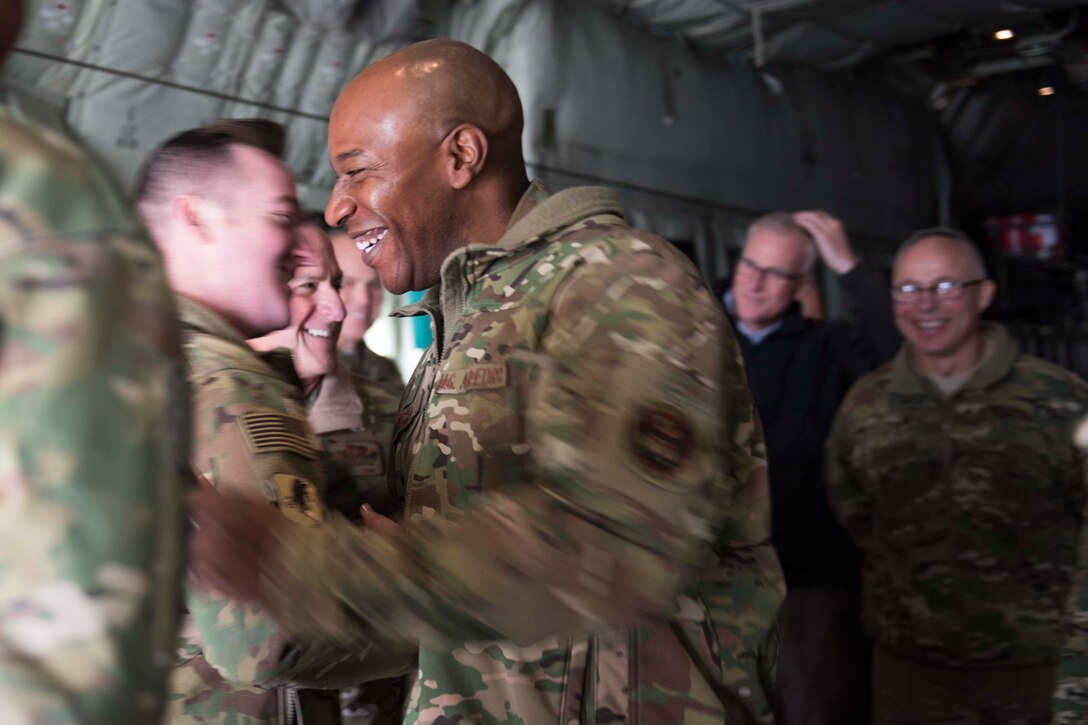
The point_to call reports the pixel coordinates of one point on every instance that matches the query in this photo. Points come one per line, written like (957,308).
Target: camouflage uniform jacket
(587,533)
(1071,695)
(354,417)
(251,438)
(966,508)
(93,445)
(374,368)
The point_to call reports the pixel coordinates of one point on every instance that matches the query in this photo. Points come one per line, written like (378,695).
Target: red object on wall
(1028,235)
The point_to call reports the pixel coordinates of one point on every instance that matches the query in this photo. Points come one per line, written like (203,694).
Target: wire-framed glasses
(945,289)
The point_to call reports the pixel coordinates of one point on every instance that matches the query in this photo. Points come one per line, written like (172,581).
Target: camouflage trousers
(906,692)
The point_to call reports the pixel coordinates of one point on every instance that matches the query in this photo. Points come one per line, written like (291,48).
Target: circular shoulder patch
(661,438)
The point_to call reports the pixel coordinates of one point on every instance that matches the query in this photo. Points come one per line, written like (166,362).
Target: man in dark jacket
(799,370)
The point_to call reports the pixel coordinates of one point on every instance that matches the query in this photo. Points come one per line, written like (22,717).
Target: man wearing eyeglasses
(799,369)
(954,469)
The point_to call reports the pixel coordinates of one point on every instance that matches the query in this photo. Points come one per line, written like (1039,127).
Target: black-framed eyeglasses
(779,275)
(945,289)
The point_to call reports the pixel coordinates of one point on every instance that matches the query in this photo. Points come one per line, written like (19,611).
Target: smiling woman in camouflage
(352,416)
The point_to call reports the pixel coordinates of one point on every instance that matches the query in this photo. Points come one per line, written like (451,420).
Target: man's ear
(193,213)
(466,149)
(986,291)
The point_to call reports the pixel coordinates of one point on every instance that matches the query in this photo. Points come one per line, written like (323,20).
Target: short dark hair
(195,153)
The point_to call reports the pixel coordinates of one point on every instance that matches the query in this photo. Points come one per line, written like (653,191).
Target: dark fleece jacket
(798,375)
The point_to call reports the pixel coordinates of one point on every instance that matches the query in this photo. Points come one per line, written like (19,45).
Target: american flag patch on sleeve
(270,431)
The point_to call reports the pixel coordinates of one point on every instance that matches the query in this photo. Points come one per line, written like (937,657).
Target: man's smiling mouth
(370,239)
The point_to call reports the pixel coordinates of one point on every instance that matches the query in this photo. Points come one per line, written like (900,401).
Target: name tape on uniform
(477,377)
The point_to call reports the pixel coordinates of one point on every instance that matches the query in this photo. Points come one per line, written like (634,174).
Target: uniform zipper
(447,334)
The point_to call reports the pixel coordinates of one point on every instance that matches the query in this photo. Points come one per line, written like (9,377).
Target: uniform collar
(220,343)
(540,212)
(537,213)
(200,318)
(335,405)
(427,303)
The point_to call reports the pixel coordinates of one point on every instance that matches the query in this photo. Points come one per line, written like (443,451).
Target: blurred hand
(831,240)
(383,525)
(231,539)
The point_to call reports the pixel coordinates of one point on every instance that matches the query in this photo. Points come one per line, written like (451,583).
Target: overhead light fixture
(1004,34)
(1046,91)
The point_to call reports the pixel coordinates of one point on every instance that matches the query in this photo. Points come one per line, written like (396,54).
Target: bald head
(426,145)
(437,85)
(957,244)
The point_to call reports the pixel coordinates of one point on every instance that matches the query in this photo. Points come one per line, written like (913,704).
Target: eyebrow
(342,157)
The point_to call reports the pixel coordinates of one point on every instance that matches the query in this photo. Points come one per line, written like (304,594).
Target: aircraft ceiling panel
(797,32)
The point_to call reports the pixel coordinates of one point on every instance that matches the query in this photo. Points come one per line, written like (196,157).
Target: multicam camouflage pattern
(93,446)
(374,368)
(251,438)
(581,454)
(906,692)
(353,417)
(966,508)
(1070,703)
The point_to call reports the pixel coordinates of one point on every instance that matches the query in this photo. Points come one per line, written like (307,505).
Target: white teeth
(316,332)
(930,325)
(365,245)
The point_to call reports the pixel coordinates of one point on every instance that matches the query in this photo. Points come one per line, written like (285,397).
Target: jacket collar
(906,379)
(336,405)
(224,343)
(537,213)
(199,318)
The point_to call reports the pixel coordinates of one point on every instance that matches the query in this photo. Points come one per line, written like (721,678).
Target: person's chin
(934,347)
(352,330)
(396,285)
(327,365)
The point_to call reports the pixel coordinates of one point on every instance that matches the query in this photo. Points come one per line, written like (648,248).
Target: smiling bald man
(954,469)
(586,533)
